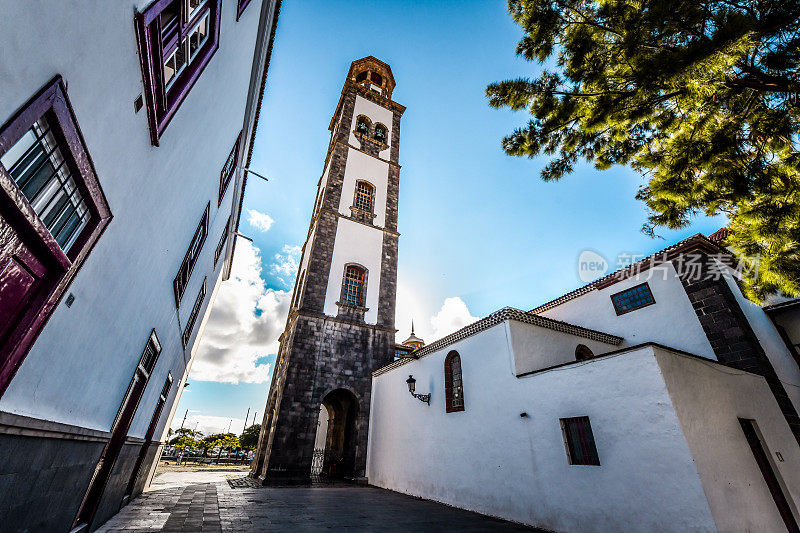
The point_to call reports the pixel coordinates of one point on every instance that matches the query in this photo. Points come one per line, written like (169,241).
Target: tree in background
(249,438)
(185,432)
(701,96)
(226,441)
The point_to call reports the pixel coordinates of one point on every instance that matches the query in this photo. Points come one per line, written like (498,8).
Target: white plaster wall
(778,354)
(355,243)
(671,321)
(375,113)
(535,347)
(80,367)
(709,399)
(489,459)
(790,320)
(361,166)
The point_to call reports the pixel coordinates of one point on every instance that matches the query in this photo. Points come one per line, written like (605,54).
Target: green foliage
(226,440)
(183,441)
(249,438)
(701,96)
(184,432)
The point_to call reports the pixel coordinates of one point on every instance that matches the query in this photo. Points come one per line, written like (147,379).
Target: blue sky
(479,229)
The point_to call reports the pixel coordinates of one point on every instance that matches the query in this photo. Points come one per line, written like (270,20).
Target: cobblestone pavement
(218,506)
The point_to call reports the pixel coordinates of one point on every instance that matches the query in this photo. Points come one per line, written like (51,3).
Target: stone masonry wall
(733,340)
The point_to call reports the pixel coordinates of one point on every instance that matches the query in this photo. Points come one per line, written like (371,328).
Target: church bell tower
(341,320)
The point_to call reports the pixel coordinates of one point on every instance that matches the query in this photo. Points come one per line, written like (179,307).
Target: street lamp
(412,386)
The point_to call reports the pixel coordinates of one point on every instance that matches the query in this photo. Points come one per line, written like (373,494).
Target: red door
(27,279)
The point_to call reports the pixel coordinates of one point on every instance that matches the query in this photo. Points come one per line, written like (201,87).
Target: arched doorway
(334,446)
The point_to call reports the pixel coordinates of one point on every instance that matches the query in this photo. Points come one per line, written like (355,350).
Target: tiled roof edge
(507,313)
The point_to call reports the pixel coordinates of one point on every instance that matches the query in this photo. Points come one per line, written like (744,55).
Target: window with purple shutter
(177,39)
(228,169)
(52,212)
(190,259)
(242,5)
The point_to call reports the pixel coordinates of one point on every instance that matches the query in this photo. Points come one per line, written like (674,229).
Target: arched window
(361,76)
(353,287)
(365,196)
(380,132)
(376,78)
(453,385)
(582,353)
(363,125)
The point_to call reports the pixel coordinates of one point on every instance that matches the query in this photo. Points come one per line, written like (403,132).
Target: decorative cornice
(498,317)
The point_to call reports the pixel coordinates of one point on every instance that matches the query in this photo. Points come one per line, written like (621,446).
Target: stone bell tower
(341,322)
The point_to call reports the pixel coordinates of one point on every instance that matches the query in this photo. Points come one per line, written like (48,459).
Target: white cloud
(286,265)
(453,316)
(260,221)
(210,425)
(236,336)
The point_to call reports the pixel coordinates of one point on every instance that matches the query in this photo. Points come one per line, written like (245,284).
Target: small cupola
(413,341)
(373,74)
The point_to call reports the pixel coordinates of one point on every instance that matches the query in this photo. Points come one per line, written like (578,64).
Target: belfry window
(376,78)
(453,384)
(176,42)
(365,196)
(361,76)
(363,125)
(353,287)
(380,133)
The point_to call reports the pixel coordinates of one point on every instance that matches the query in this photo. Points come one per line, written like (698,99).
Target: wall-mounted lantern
(412,385)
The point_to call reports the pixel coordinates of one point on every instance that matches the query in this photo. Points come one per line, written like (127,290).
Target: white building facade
(127,126)
(651,400)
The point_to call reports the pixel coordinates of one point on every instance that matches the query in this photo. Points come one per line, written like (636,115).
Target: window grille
(39,169)
(228,168)
(365,196)
(632,299)
(150,354)
(353,286)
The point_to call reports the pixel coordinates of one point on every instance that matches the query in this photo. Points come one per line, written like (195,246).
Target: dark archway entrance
(335,445)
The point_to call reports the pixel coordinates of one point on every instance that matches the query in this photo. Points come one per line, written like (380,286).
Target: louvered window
(632,299)
(579,441)
(228,168)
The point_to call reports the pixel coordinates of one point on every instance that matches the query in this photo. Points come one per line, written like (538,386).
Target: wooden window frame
(119,431)
(190,260)
(228,169)
(363,291)
(221,244)
(620,311)
(198,304)
(449,400)
(371,209)
(51,102)
(241,5)
(163,102)
(585,437)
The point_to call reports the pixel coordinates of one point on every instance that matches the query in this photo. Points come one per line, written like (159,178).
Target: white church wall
(778,354)
(790,321)
(535,347)
(375,113)
(671,321)
(361,166)
(79,368)
(355,243)
(709,399)
(491,460)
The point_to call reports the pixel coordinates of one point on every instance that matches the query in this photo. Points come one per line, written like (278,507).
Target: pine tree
(702,97)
